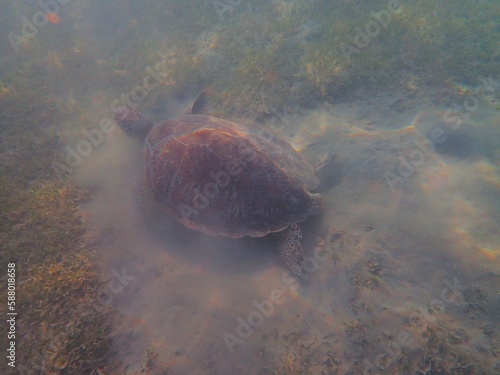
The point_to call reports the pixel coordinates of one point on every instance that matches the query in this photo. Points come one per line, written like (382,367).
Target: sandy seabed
(407,256)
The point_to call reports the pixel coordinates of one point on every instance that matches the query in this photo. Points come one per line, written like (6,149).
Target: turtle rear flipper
(290,249)
(197,106)
(322,160)
(329,171)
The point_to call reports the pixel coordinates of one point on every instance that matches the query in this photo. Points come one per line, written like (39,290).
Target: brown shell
(223,178)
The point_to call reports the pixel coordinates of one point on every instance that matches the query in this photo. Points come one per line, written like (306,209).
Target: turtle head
(132,122)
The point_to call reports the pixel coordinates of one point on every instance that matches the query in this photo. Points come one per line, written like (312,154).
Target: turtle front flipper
(290,249)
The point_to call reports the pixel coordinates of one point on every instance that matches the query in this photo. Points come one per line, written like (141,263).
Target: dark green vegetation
(298,53)
(287,54)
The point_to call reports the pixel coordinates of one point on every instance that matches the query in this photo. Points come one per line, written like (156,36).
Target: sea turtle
(224,178)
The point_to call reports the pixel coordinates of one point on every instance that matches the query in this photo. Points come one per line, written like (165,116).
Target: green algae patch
(42,232)
(57,281)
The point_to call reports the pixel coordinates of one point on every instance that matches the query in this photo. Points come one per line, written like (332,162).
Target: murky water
(402,265)
(396,254)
